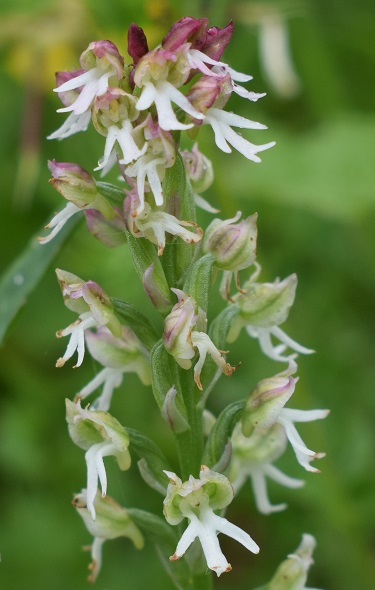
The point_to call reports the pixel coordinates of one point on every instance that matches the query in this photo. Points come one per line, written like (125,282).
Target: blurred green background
(314,193)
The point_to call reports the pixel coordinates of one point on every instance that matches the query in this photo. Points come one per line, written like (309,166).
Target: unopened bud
(232,245)
(292,573)
(263,305)
(76,185)
(267,400)
(198,168)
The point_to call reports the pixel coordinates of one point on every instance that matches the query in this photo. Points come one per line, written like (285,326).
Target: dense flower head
(119,97)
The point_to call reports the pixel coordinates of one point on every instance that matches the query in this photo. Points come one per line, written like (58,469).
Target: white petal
(73,124)
(285,480)
(280,334)
(147,97)
(293,436)
(77,82)
(96,556)
(166,115)
(219,134)
(109,144)
(98,380)
(188,536)
(260,494)
(205,205)
(177,97)
(59,221)
(234,120)
(231,530)
(304,415)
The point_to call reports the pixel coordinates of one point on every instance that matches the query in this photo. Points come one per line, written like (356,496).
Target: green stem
(190,442)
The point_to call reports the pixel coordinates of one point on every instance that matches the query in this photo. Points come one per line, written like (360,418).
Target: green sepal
(149,452)
(153,526)
(144,254)
(180,202)
(165,539)
(164,377)
(199,279)
(111,192)
(137,321)
(221,433)
(218,332)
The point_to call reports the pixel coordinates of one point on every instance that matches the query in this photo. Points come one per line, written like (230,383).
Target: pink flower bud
(137,43)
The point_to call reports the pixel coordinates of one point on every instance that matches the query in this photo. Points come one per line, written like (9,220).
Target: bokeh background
(314,193)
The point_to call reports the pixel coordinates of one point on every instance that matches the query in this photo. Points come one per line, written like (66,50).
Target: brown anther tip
(174,557)
(60,363)
(198,381)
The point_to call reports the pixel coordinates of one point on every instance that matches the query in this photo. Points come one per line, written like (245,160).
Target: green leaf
(218,332)
(180,199)
(144,255)
(221,433)
(24,274)
(165,540)
(153,526)
(137,321)
(153,460)
(199,279)
(111,192)
(164,379)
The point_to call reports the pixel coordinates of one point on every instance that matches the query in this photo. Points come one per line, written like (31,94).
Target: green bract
(264,305)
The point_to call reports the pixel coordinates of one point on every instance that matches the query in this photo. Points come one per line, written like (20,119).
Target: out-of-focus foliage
(315,195)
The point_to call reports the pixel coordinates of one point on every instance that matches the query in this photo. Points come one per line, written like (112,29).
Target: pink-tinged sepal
(137,43)
(110,232)
(185,332)
(217,40)
(186,30)
(103,54)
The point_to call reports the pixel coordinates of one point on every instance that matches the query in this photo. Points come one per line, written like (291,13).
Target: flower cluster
(132,106)
(141,109)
